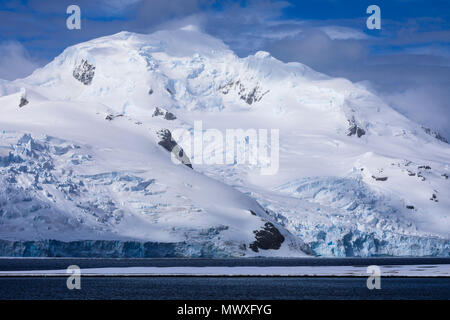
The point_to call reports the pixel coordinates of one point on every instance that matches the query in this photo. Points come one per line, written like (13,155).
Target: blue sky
(407,62)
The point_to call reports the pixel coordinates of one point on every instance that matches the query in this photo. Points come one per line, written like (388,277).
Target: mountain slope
(84,160)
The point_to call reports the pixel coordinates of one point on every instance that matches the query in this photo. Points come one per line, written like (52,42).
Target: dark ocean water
(213,288)
(16,264)
(218,288)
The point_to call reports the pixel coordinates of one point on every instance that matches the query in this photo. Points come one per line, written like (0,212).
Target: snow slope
(84,167)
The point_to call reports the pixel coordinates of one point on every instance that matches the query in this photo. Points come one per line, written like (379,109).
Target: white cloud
(343,33)
(15,61)
(117,5)
(427,105)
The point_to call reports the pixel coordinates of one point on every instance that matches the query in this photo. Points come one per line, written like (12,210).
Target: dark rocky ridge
(435,134)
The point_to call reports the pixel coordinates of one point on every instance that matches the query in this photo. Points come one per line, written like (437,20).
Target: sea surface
(217,288)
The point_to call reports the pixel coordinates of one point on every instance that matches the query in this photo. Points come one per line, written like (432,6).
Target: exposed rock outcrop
(160,112)
(168,143)
(111,117)
(250,96)
(435,134)
(23,102)
(84,72)
(354,129)
(267,238)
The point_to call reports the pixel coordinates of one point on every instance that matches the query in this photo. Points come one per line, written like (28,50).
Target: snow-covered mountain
(85,168)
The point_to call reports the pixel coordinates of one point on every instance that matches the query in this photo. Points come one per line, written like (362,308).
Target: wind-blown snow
(81,160)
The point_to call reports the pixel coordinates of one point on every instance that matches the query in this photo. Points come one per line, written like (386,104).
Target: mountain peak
(262,54)
(354,177)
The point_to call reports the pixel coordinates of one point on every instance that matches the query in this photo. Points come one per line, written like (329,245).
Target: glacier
(86,168)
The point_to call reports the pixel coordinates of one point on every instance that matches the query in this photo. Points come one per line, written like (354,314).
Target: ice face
(344,217)
(111,249)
